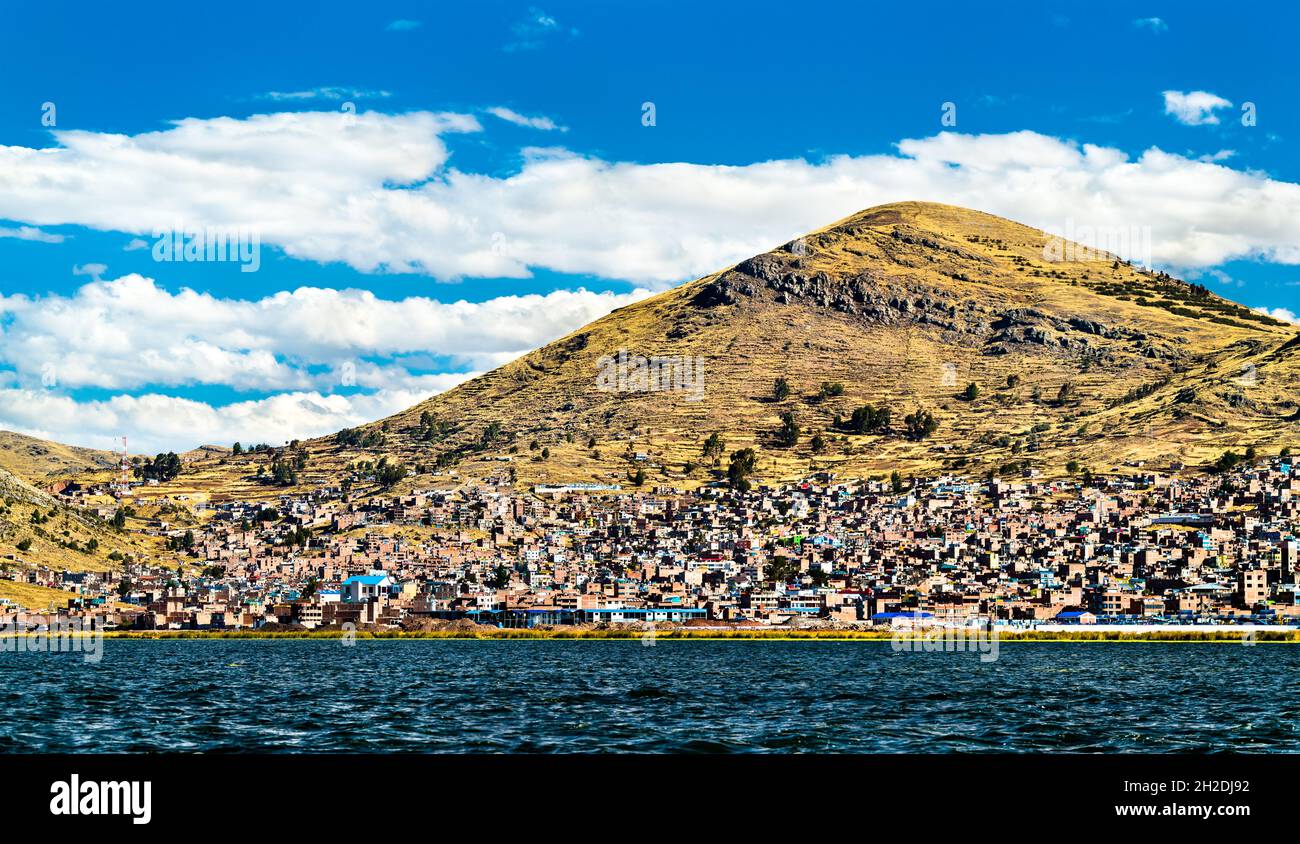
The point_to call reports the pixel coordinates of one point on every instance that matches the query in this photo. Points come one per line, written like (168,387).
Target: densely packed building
(1143,547)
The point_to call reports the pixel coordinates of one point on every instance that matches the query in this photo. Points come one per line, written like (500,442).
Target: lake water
(528,696)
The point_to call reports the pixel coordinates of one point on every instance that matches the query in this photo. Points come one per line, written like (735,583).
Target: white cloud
(546,124)
(1195,108)
(31,233)
(92,270)
(1155,25)
(324,92)
(1221,155)
(376,193)
(129,334)
(403,25)
(156,423)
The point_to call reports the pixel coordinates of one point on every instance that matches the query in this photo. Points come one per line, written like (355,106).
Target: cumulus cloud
(403,25)
(1154,25)
(510,116)
(156,422)
(330,358)
(375,191)
(129,333)
(1194,108)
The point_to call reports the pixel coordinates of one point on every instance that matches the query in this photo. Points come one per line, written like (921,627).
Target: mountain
(904,305)
(1074,356)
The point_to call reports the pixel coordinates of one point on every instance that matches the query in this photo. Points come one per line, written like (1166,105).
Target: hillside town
(1141,548)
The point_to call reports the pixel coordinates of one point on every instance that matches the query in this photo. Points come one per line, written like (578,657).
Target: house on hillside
(363,587)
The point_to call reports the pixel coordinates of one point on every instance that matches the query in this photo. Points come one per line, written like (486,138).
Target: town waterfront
(537,696)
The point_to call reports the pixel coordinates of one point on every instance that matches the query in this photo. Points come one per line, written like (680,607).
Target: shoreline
(1201,636)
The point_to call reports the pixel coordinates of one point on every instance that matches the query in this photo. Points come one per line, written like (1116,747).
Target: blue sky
(502,162)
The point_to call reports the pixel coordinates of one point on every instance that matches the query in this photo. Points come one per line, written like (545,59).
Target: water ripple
(616,696)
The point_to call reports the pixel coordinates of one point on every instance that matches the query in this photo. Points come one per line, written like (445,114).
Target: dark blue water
(308,696)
